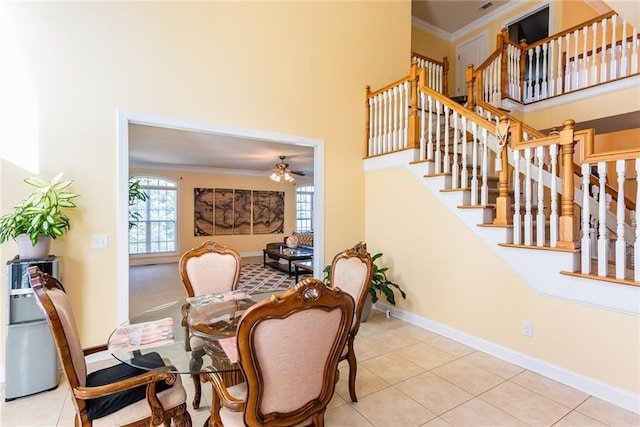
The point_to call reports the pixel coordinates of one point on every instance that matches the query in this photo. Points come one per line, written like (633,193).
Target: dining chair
(119,395)
(288,350)
(351,271)
(208,269)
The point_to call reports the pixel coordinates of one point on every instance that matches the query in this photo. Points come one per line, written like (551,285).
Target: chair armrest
(95,349)
(226,399)
(148,378)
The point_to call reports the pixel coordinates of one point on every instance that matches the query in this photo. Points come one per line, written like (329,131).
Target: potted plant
(380,283)
(38,218)
(135,195)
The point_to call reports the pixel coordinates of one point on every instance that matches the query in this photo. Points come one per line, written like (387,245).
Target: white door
(473,51)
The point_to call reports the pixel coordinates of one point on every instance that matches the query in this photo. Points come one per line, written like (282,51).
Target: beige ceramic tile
(392,367)
(479,413)
(345,416)
(336,401)
(434,393)
(387,342)
(425,355)
(415,332)
(608,414)
(367,382)
(493,364)
(468,377)
(554,390)
(373,346)
(576,419)
(390,407)
(436,422)
(450,346)
(526,405)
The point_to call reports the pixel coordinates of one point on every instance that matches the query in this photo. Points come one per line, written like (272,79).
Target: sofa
(305,241)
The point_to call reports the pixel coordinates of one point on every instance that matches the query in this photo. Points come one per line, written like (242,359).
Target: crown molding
(431,29)
(486,19)
(196,169)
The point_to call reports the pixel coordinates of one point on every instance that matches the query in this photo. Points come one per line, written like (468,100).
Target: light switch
(99,241)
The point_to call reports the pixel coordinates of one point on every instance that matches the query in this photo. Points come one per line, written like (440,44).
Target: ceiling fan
(284,167)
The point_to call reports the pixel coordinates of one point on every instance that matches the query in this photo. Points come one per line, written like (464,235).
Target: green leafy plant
(135,194)
(41,213)
(380,283)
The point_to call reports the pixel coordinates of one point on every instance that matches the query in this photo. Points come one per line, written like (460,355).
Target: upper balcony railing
(598,51)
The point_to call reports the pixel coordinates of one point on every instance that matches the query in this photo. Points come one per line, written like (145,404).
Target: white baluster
(528,220)
(594,225)
(553,217)
(585,244)
(406,103)
(540,218)
(585,57)
(567,66)
(530,84)
(385,133)
(603,53)
(624,60)
(464,175)
(372,126)
(474,165)
(613,64)
(594,54)
(621,245)
(603,237)
(430,130)
(537,86)
(517,217)
(438,142)
(559,75)
(423,113)
(456,168)
(484,189)
(576,60)
(447,157)
(395,137)
(544,92)
(634,51)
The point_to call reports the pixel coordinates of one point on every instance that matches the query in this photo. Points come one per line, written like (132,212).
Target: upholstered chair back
(210,268)
(351,271)
(289,349)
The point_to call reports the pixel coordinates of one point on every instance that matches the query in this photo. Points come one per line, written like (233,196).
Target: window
(154,230)
(304,208)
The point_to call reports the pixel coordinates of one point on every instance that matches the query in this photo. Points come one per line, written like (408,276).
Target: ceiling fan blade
(296,172)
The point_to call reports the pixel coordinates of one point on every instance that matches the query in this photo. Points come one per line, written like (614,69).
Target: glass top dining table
(191,334)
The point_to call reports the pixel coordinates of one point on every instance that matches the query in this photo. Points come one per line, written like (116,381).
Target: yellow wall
(250,243)
(434,47)
(486,298)
(296,68)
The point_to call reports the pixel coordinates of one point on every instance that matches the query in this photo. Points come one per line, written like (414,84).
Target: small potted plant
(380,283)
(38,218)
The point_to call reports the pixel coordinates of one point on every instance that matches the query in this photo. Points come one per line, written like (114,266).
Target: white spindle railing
(435,73)
(599,52)
(389,119)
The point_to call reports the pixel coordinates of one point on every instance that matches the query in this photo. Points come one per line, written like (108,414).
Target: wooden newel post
(367,125)
(469,77)
(414,139)
(445,76)
(502,45)
(566,237)
(504,214)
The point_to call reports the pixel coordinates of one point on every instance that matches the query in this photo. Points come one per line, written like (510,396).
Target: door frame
(125,118)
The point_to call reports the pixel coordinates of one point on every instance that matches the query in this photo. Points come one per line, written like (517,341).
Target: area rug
(256,278)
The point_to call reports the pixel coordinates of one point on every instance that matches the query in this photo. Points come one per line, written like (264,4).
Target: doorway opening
(126,118)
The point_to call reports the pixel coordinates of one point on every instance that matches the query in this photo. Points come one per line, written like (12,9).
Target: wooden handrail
(426,58)
(389,86)
(569,30)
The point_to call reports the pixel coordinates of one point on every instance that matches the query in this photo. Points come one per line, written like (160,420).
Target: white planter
(26,250)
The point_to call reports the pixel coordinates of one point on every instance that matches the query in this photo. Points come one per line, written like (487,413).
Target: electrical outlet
(527,328)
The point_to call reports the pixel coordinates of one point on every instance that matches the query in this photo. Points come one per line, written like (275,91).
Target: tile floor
(407,377)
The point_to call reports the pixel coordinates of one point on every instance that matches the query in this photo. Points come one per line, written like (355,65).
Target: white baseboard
(591,386)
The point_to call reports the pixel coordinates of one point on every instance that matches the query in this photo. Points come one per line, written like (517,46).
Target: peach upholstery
(210,268)
(288,350)
(164,406)
(351,271)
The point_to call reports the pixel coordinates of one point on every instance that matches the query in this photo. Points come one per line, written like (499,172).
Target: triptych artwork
(231,211)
